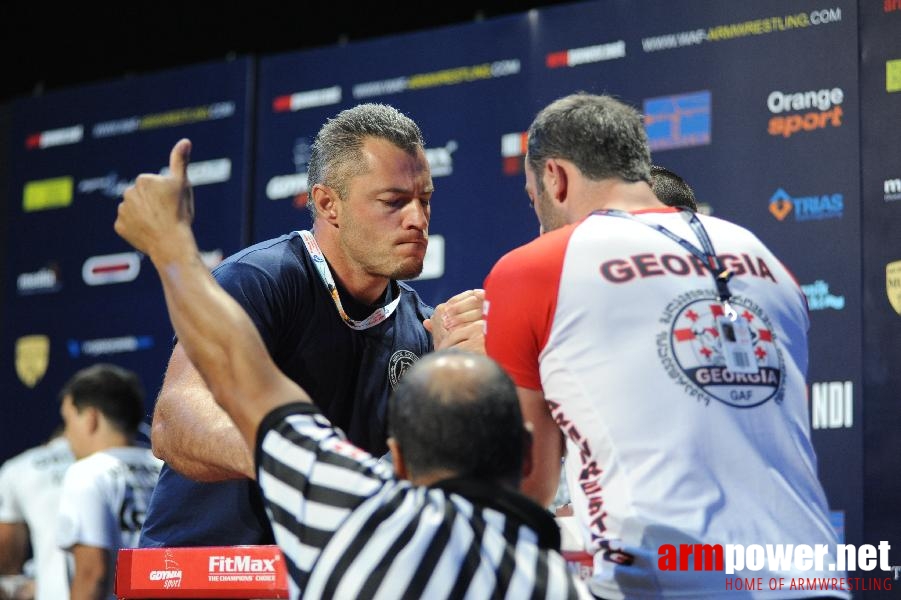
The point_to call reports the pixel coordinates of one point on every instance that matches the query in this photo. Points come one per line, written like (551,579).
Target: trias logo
(807,208)
(241,564)
(820,298)
(814,109)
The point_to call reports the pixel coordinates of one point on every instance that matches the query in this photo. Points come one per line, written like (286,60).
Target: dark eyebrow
(405,191)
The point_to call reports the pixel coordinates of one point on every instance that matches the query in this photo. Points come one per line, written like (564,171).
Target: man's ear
(556,179)
(397,457)
(92,418)
(325,199)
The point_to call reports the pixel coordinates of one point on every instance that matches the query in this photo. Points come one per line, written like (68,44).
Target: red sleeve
(520,302)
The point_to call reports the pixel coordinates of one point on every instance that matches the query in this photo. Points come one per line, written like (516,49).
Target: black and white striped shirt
(348,529)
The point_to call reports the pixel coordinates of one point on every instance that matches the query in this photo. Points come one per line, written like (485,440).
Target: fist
(459,323)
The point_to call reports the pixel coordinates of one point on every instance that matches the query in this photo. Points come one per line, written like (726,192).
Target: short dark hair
(603,137)
(671,189)
(114,391)
(336,154)
(466,420)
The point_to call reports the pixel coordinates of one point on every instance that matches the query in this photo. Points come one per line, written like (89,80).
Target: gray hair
(603,137)
(336,153)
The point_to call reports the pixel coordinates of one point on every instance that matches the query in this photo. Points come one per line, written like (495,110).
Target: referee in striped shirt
(447,523)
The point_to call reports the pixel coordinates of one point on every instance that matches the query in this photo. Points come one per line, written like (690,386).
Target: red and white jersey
(616,324)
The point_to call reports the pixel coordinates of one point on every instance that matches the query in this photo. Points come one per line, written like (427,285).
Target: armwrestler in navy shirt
(333,316)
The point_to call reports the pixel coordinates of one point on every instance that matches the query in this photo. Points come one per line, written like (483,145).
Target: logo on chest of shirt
(398,365)
(692,352)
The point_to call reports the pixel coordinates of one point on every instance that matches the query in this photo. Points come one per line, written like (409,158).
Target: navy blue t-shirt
(348,373)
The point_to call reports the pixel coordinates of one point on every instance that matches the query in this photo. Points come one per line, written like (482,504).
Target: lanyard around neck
(325,274)
(706,254)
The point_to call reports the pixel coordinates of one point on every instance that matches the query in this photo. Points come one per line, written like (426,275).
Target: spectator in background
(29,497)
(671,189)
(106,492)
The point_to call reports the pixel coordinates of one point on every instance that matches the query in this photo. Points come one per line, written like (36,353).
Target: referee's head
(456,414)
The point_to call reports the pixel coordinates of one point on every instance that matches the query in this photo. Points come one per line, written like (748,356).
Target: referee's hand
(156,212)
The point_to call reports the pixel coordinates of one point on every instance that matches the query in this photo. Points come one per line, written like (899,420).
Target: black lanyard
(707,255)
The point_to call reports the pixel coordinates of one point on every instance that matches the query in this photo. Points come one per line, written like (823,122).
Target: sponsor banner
(743,29)
(63,136)
(892,189)
(806,208)
(32,358)
(45,280)
(586,55)
(287,186)
(452,76)
(678,121)
(819,297)
(111,268)
(513,150)
(208,572)
(47,194)
(171,118)
(205,172)
(832,405)
(893,75)
(893,284)
(441,160)
(109,185)
(821,109)
(103,346)
(307,99)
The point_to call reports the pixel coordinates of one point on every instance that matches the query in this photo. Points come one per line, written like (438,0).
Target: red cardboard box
(207,572)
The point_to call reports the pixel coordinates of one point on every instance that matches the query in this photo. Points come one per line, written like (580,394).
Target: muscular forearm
(547,448)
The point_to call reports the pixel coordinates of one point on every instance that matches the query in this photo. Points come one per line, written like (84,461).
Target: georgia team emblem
(398,365)
(692,353)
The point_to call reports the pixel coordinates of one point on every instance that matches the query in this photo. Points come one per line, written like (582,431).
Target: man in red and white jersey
(665,353)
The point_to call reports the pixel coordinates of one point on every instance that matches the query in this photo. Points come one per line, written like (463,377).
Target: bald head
(458,412)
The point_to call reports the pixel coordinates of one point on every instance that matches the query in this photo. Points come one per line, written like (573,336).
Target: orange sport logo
(810,111)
